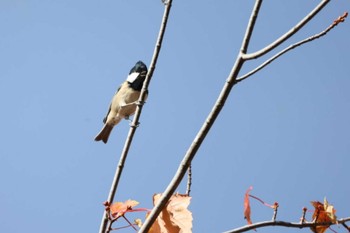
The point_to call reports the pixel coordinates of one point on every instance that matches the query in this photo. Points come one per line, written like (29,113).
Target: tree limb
(208,123)
(285,224)
(191,152)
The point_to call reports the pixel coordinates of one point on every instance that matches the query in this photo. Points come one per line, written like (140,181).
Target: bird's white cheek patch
(131,77)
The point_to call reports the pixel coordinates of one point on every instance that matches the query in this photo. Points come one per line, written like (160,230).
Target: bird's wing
(105,118)
(109,109)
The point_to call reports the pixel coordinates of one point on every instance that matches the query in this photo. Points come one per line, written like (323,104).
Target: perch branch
(136,118)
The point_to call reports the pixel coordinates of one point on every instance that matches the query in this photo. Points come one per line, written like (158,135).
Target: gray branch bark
(284,224)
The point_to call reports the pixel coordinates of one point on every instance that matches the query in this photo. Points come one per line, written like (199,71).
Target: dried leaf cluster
(323,214)
(175,218)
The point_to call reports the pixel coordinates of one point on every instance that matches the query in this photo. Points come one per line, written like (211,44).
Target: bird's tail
(104,133)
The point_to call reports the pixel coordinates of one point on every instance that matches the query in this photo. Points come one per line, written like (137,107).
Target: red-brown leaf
(322,213)
(247,206)
(120,208)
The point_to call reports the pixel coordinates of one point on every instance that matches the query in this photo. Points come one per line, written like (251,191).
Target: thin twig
(250,27)
(284,224)
(275,209)
(309,39)
(189,180)
(288,34)
(119,228)
(346,226)
(302,220)
(135,122)
(130,224)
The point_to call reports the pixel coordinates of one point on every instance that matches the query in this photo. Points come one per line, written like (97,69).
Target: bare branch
(250,26)
(284,224)
(340,19)
(135,122)
(288,34)
(192,150)
(212,116)
(189,180)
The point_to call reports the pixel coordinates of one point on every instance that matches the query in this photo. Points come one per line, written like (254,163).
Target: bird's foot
(138,103)
(134,125)
(123,105)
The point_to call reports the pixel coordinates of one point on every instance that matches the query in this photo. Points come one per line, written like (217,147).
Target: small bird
(124,100)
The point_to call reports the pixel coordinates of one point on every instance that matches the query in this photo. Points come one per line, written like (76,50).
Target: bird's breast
(124,97)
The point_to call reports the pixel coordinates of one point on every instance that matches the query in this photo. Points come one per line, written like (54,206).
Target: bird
(123,103)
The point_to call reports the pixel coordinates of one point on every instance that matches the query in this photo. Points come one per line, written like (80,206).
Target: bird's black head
(139,67)
(137,76)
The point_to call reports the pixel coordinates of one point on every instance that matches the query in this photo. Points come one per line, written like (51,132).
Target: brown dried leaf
(330,211)
(175,218)
(323,213)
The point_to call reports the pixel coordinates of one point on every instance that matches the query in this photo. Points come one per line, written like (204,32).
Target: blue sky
(285,130)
